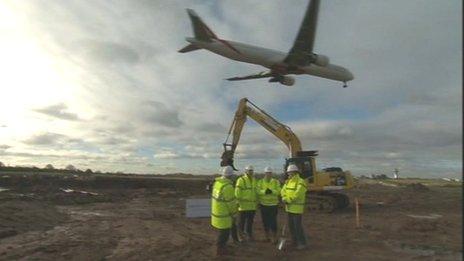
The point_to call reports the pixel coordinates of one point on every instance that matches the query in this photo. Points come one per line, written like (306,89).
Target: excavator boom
(248,109)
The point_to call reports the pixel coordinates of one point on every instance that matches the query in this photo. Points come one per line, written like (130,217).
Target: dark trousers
(245,223)
(233,231)
(223,237)
(296,229)
(224,234)
(269,217)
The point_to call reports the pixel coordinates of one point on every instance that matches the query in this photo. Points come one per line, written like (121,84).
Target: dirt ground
(144,219)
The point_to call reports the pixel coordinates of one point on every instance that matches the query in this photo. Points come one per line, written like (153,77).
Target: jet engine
(287,80)
(321,60)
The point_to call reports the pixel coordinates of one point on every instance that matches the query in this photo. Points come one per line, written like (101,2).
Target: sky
(100,85)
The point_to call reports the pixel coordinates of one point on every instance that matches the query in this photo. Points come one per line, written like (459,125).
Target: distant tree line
(48,168)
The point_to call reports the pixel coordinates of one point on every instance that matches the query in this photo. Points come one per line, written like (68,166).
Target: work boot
(241,236)
(219,251)
(222,251)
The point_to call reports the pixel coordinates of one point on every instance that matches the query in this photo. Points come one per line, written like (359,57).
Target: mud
(137,218)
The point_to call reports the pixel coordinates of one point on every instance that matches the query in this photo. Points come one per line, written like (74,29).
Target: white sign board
(198,208)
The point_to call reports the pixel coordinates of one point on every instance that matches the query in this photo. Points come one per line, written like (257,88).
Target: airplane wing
(303,46)
(253,76)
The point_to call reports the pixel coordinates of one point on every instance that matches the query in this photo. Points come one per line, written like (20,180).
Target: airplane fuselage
(269,58)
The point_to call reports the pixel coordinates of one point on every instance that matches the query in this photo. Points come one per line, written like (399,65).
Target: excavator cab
(305,162)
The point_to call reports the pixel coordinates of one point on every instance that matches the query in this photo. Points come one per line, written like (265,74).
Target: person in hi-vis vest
(245,192)
(294,196)
(268,198)
(223,208)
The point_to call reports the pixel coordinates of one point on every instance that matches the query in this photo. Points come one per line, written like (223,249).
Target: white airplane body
(300,59)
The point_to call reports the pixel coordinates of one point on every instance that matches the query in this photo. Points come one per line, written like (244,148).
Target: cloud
(159,114)
(188,152)
(149,105)
(106,52)
(210,127)
(44,139)
(58,111)
(52,139)
(166,155)
(4,147)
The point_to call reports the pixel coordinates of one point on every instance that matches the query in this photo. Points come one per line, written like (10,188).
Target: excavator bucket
(227,159)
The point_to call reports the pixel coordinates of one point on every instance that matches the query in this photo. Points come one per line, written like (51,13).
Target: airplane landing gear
(277,78)
(344,85)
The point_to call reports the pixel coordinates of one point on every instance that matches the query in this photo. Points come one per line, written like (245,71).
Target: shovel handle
(282,239)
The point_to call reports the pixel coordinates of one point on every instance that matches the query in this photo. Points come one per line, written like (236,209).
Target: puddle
(421,250)
(431,216)
(86,213)
(78,191)
(387,184)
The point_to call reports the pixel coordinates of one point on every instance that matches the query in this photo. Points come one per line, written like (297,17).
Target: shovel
(282,239)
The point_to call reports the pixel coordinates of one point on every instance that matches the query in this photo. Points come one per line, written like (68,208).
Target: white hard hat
(292,167)
(267,170)
(227,171)
(249,167)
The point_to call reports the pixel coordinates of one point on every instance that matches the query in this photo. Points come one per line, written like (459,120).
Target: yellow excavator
(324,187)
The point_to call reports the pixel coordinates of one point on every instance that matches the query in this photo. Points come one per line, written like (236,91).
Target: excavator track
(327,202)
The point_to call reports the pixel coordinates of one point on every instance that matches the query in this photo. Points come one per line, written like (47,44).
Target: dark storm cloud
(58,111)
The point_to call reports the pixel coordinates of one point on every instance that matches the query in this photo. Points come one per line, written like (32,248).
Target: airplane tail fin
(200,29)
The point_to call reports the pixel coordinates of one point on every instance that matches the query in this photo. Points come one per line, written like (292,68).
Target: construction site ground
(110,217)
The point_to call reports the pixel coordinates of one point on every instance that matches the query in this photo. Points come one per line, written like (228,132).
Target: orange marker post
(357,211)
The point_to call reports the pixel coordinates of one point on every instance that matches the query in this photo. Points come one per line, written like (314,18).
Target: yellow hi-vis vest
(245,192)
(294,194)
(223,203)
(268,199)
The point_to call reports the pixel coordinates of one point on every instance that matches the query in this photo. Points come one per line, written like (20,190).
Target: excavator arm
(323,186)
(247,109)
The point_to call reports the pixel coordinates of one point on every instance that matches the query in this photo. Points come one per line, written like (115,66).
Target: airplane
(299,60)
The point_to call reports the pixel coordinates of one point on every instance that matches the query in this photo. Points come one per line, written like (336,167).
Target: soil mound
(417,187)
